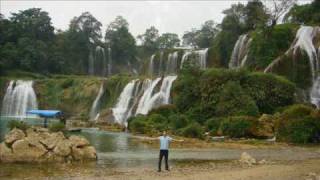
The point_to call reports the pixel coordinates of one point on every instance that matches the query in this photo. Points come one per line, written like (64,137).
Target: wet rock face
(40,145)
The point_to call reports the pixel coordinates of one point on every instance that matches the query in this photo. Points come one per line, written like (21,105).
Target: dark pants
(164,153)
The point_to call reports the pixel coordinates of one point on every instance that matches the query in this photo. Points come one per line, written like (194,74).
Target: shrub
(67,83)
(139,124)
(158,122)
(165,110)
(299,124)
(268,91)
(193,130)
(178,121)
(56,127)
(234,101)
(212,125)
(17,124)
(237,126)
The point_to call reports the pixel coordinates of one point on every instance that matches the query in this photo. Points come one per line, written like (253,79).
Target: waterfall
(94,112)
(171,67)
(200,55)
(151,65)
(121,110)
(240,51)
(147,95)
(304,43)
(109,62)
(160,64)
(19,98)
(98,64)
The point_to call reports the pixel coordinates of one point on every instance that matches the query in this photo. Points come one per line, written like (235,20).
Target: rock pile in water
(40,145)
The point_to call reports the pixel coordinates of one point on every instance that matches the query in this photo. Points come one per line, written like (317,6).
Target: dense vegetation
(222,102)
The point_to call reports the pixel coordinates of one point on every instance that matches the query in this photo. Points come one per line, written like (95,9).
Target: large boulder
(247,159)
(14,135)
(78,141)
(87,152)
(40,145)
(23,151)
(63,148)
(265,127)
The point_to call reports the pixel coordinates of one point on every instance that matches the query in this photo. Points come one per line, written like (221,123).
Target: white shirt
(164,142)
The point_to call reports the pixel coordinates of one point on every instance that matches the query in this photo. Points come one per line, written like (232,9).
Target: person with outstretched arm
(164,141)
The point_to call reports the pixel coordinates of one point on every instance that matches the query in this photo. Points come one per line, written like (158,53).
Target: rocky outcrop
(265,127)
(247,159)
(40,145)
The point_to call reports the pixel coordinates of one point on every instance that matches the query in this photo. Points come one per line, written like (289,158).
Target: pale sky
(167,16)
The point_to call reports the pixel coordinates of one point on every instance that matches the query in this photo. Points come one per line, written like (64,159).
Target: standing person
(164,149)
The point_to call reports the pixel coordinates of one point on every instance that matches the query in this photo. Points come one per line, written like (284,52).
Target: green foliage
(18,124)
(267,46)
(67,83)
(268,91)
(233,101)
(168,40)
(299,124)
(193,130)
(237,126)
(56,127)
(212,125)
(178,121)
(304,14)
(139,124)
(165,110)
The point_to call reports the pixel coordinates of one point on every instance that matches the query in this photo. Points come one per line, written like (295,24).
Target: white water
(95,108)
(19,98)
(147,95)
(201,57)
(240,51)
(151,65)
(172,63)
(303,43)
(122,108)
(100,56)
(109,62)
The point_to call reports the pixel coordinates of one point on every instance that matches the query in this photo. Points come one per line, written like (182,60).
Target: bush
(234,101)
(158,122)
(178,121)
(193,130)
(212,125)
(299,124)
(165,110)
(139,124)
(67,83)
(237,126)
(268,91)
(18,124)
(56,127)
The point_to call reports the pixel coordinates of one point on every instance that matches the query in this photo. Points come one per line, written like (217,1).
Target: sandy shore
(296,170)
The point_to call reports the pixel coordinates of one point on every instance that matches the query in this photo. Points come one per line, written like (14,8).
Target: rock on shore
(40,145)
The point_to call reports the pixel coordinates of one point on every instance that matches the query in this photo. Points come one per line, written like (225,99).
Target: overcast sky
(167,16)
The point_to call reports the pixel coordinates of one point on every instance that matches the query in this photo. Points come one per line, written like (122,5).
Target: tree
(120,40)
(87,24)
(150,39)
(168,40)
(203,37)
(277,8)
(304,14)
(255,15)
(33,23)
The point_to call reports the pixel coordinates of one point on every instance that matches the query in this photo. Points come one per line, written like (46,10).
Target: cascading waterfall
(109,62)
(160,64)
(201,57)
(94,112)
(100,61)
(140,97)
(91,64)
(240,51)
(172,63)
(304,43)
(121,110)
(19,98)
(151,65)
